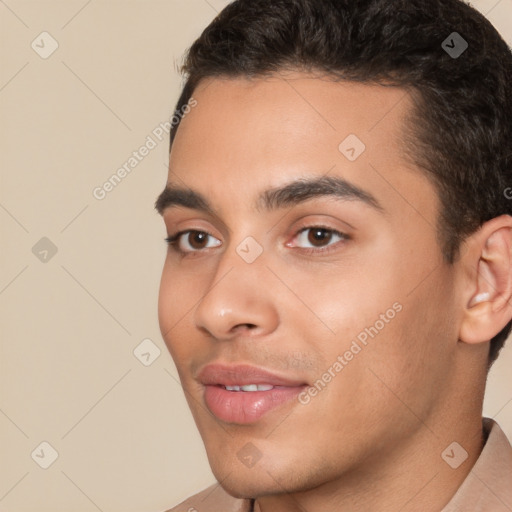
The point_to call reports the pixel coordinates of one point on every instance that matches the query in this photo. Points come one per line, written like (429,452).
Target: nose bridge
(237,295)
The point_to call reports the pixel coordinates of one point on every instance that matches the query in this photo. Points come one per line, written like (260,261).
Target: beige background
(70,323)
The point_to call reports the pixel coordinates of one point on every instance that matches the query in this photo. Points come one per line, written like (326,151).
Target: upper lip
(242,375)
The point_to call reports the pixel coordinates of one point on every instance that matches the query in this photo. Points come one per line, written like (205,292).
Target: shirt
(487,488)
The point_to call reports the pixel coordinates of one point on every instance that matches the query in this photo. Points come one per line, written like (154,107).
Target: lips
(241,375)
(243,394)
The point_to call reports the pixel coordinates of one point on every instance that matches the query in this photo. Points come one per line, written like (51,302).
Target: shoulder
(212,499)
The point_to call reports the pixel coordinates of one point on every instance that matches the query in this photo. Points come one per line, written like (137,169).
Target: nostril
(245,326)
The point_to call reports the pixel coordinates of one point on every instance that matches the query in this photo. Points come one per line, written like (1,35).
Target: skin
(372,438)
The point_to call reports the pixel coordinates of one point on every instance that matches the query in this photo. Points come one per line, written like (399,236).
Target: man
(339,274)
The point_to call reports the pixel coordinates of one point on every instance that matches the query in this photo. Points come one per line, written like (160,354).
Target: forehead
(321,104)
(248,135)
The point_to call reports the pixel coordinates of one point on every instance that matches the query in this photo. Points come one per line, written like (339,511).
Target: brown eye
(197,239)
(319,236)
(191,241)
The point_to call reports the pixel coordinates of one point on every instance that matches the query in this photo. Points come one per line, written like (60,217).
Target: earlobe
(489,308)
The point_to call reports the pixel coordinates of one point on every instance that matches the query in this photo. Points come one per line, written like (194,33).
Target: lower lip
(244,407)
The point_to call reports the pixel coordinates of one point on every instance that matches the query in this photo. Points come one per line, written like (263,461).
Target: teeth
(264,387)
(250,387)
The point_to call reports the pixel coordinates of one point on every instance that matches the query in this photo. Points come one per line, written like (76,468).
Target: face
(307,270)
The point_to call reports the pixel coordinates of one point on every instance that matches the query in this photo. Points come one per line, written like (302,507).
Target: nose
(239,301)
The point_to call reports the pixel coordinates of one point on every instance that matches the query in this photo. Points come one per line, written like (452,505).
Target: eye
(318,238)
(191,241)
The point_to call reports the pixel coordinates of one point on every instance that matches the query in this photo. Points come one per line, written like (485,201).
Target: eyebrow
(291,194)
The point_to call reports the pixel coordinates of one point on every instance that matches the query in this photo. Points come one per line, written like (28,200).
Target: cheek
(175,301)
(381,313)
(166,300)
(343,298)
(182,287)
(407,361)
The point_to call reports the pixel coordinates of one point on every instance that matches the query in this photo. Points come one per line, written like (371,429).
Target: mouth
(243,394)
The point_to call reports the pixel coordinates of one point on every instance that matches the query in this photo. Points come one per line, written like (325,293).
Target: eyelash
(173,240)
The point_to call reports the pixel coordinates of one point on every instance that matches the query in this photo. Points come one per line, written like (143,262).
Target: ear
(488,283)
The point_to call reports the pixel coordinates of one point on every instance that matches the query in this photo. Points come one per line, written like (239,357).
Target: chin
(252,485)
(265,478)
